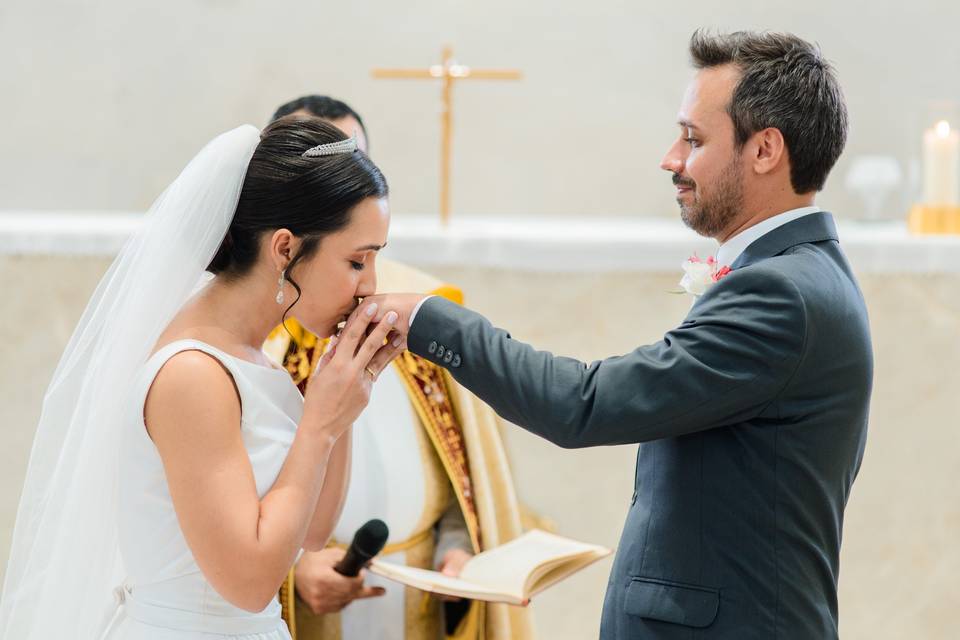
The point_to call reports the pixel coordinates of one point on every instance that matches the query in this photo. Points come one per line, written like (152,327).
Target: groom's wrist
(416,310)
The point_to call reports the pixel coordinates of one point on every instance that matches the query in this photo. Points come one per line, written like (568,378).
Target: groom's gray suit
(753,419)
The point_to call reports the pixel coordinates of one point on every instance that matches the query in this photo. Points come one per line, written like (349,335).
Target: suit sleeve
(729,359)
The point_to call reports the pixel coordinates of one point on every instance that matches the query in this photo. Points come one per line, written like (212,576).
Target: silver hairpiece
(332,148)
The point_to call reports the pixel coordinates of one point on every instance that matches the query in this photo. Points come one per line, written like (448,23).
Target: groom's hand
(403,303)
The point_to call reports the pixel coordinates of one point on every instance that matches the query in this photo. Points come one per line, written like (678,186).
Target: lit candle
(941,165)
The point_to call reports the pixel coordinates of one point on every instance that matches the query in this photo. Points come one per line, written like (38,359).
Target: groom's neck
(763,206)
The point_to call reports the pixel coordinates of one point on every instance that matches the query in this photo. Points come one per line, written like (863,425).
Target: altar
(590,287)
(522,243)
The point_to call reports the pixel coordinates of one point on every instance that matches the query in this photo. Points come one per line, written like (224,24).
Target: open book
(512,573)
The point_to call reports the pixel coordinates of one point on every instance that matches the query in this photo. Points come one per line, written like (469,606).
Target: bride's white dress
(165,595)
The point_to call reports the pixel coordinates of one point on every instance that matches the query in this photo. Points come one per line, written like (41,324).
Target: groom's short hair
(785,84)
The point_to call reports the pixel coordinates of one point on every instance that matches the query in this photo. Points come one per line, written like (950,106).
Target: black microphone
(367,542)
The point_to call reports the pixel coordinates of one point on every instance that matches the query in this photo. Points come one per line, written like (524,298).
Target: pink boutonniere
(699,275)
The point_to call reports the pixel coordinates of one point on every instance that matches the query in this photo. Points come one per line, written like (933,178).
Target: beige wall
(104,101)
(900,557)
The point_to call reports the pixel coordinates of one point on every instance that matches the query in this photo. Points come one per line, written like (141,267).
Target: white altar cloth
(525,243)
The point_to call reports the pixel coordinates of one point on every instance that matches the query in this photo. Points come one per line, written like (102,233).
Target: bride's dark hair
(312,197)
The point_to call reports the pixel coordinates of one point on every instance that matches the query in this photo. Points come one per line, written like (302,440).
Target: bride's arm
(332,496)
(243,545)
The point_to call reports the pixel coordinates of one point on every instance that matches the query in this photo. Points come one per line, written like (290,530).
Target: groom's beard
(711,213)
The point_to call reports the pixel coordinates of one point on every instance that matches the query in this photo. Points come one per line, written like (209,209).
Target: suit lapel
(816,227)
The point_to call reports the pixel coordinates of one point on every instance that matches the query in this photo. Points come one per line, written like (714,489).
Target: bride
(176,473)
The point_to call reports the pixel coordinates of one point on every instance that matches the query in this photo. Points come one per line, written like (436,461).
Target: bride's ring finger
(373,375)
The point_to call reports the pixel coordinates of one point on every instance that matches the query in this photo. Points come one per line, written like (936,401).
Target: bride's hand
(339,389)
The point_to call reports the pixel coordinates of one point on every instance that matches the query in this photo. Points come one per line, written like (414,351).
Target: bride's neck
(243,307)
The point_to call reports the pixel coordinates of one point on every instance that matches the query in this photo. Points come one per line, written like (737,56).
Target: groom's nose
(674,160)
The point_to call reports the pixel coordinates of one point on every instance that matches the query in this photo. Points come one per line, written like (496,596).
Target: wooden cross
(448,71)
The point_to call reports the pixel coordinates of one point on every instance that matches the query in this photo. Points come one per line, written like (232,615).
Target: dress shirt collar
(730,250)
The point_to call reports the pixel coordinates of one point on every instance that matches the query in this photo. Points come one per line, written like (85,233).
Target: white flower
(699,275)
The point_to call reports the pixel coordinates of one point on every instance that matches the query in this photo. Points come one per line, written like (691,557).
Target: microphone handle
(351,563)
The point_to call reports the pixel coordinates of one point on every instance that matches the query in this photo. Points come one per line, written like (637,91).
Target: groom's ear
(769,150)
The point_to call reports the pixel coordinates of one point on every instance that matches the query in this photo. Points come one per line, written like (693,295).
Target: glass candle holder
(941,156)
(938,206)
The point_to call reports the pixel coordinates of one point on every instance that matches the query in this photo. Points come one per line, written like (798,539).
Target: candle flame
(943,129)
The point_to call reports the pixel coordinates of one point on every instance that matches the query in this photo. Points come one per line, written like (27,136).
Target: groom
(752,412)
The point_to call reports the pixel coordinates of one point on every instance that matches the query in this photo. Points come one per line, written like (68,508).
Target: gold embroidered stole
(431,398)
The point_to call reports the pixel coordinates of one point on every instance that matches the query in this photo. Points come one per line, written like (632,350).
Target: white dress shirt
(416,309)
(730,250)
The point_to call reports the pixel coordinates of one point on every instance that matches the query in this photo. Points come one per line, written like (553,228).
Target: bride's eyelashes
(357,265)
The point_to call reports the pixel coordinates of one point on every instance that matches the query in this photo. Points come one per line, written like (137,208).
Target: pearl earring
(280,286)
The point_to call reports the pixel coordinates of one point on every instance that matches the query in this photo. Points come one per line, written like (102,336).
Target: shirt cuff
(416,309)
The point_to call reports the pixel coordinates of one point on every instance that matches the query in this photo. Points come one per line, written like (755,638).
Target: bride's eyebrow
(372,247)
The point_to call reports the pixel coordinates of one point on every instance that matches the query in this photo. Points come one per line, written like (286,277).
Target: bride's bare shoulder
(192,389)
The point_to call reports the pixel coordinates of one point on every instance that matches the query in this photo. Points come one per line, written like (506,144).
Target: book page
(552,572)
(513,567)
(436,582)
(509,573)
